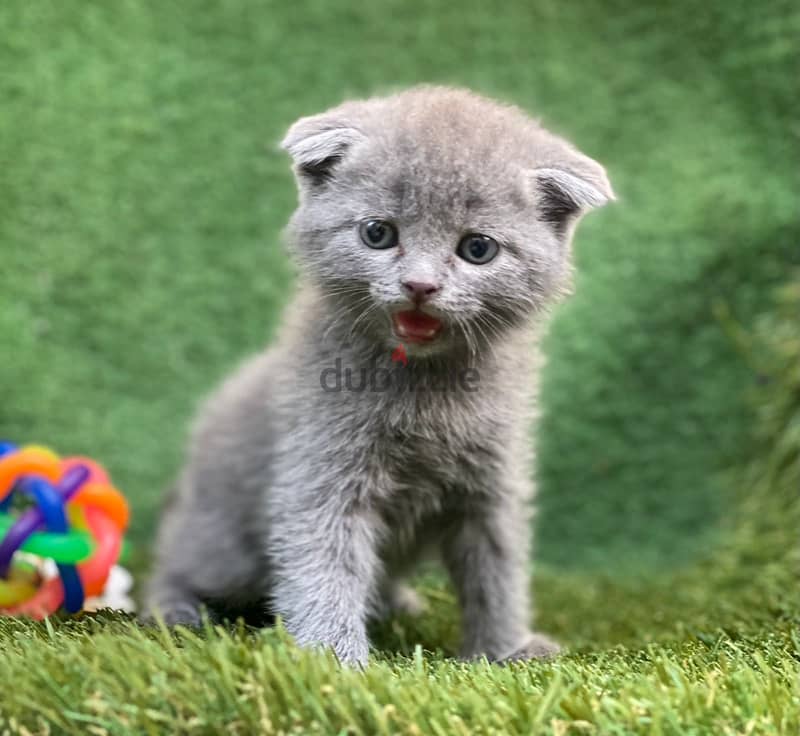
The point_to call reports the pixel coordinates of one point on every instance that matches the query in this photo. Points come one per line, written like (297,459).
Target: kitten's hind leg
(171,602)
(538,646)
(201,557)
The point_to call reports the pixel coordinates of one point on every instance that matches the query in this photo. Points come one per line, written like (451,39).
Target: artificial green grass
(713,650)
(108,677)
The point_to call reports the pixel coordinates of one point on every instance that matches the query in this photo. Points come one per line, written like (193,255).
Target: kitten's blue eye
(378,234)
(477,249)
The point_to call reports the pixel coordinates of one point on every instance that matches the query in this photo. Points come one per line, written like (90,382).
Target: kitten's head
(436,217)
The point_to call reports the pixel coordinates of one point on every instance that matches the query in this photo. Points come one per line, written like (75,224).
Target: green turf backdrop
(142,196)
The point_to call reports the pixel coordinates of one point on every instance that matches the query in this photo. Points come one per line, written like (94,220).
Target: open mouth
(413,326)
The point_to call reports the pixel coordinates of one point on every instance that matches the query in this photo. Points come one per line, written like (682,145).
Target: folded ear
(317,144)
(570,188)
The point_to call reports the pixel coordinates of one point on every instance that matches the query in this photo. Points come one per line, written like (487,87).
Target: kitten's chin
(438,347)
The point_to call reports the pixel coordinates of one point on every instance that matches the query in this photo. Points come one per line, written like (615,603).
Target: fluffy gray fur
(320,502)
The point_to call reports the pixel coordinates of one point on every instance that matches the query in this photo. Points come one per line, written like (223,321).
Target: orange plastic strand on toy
(107,498)
(27,461)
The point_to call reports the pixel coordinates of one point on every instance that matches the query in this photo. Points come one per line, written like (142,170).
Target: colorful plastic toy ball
(64,510)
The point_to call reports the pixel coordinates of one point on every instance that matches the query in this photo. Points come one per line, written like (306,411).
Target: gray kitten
(392,416)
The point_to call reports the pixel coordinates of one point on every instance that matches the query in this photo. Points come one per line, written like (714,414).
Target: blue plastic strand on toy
(51,504)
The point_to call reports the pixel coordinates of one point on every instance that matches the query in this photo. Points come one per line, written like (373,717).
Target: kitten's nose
(419,291)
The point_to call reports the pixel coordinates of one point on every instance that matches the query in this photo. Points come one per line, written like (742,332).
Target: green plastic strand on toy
(69,547)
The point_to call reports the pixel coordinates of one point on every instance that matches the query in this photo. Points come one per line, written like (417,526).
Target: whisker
(466,331)
(342,312)
(363,314)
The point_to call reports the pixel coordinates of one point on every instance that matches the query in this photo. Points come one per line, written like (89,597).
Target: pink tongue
(414,324)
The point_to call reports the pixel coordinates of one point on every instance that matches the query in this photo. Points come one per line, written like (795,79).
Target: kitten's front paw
(353,655)
(350,651)
(538,646)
